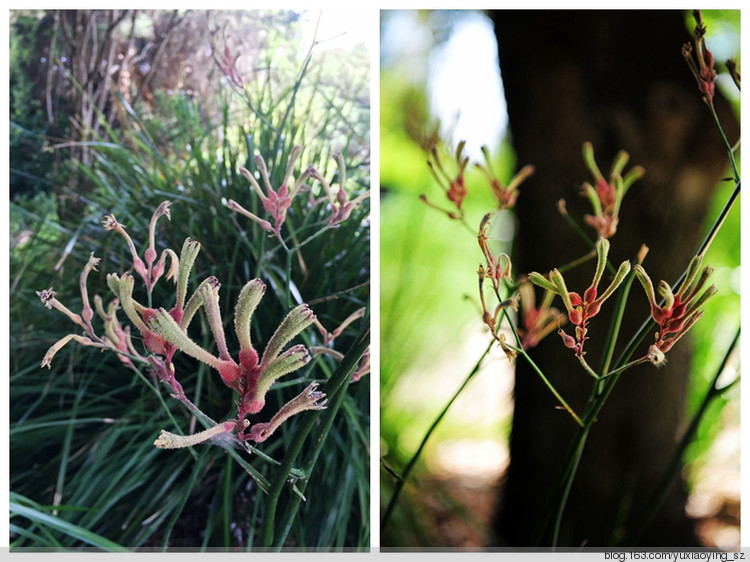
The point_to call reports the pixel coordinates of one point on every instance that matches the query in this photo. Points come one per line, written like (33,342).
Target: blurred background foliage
(431,331)
(115,112)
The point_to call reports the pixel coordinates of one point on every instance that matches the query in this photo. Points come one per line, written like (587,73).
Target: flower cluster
(115,336)
(149,271)
(165,331)
(680,310)
(700,60)
(276,202)
(250,376)
(506,195)
(338,199)
(228,65)
(581,308)
(455,187)
(497,265)
(606,195)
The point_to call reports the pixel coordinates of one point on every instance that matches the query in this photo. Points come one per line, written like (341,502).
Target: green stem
(672,472)
(288,264)
(625,367)
(614,328)
(551,387)
(573,458)
(589,242)
(720,220)
(539,372)
(226,507)
(726,142)
(577,229)
(587,368)
(583,434)
(602,389)
(335,387)
(318,438)
(164,406)
(321,230)
(579,261)
(410,465)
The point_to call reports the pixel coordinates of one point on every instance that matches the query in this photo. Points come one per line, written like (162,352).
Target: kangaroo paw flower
(581,308)
(167,440)
(308,399)
(606,195)
(681,309)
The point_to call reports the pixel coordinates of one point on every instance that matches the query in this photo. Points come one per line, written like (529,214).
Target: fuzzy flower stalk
(277,202)
(680,309)
(328,338)
(227,63)
(114,338)
(581,308)
(454,184)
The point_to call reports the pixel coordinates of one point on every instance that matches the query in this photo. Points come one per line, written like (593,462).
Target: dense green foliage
(84,470)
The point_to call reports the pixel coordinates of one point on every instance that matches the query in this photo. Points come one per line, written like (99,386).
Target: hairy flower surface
(276,202)
(251,377)
(148,268)
(497,264)
(338,200)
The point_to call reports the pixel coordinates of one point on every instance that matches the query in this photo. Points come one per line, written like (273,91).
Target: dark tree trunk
(617,79)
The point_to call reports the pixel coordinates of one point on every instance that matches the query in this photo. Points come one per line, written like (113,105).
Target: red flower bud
(589,295)
(575,316)
(592,309)
(568,340)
